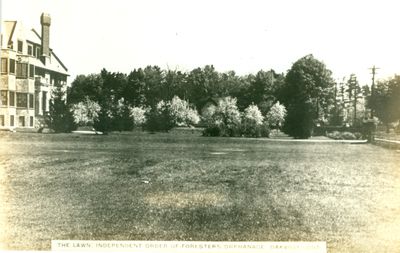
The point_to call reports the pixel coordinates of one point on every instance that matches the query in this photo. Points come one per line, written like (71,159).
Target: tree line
(307,91)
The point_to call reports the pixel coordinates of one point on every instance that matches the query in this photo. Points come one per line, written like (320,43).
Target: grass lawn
(139,186)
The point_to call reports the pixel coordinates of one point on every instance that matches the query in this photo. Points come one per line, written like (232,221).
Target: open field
(138,186)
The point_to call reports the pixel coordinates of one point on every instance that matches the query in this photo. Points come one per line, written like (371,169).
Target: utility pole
(373,88)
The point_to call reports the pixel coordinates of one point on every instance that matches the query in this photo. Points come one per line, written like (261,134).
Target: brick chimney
(45,21)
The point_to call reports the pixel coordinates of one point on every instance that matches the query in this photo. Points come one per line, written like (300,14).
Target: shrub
(358,135)
(159,118)
(343,135)
(211,131)
(334,135)
(265,131)
(348,136)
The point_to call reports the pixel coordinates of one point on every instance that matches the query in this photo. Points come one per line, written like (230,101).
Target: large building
(30,70)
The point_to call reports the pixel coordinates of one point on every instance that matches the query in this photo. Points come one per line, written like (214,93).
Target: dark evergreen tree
(59,118)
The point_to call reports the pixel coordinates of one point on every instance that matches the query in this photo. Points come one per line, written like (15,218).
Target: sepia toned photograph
(213,126)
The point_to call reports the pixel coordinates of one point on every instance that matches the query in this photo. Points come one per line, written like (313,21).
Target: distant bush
(336,135)
(348,136)
(265,131)
(159,118)
(212,131)
(358,135)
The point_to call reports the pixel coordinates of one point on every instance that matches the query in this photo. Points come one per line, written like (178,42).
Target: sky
(244,35)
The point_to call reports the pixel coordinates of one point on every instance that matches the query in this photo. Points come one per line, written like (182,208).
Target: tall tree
(174,84)
(386,100)
(203,85)
(153,79)
(85,86)
(135,87)
(308,86)
(354,91)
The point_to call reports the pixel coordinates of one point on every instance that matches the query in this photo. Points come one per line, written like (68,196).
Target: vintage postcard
(200,126)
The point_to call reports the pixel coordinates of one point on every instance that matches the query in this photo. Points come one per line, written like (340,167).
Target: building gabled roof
(32,36)
(33,31)
(9,28)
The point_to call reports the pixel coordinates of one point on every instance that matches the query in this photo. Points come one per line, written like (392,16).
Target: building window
(12,66)
(12,120)
(37,52)
(2,120)
(3,100)
(12,98)
(44,101)
(31,121)
(4,66)
(20,46)
(39,72)
(11,45)
(21,121)
(22,70)
(30,101)
(31,71)
(22,100)
(30,50)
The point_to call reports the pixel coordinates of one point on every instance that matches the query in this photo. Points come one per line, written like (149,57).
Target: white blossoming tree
(252,121)
(276,115)
(166,115)
(223,119)
(86,112)
(138,115)
(181,112)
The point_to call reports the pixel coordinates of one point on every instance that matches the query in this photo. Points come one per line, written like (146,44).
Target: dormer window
(20,46)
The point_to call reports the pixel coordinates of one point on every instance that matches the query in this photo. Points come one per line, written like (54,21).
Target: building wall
(35,88)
